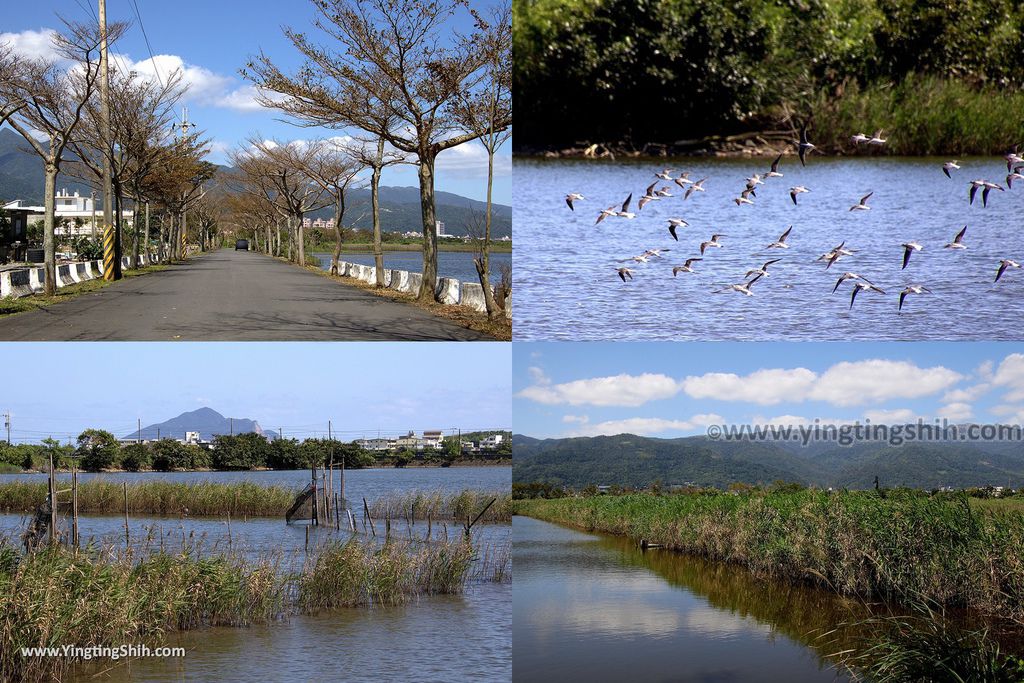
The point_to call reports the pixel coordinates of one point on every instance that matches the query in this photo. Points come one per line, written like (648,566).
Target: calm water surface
(567,287)
(594,608)
(456,264)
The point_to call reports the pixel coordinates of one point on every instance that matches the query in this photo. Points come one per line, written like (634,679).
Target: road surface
(230,295)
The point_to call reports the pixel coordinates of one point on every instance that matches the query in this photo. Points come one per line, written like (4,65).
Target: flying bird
(958,241)
(908,249)
(624,273)
(858,138)
(774,173)
(804,145)
(862,205)
(912,289)
(673,224)
(686,267)
(849,276)
(610,211)
(862,287)
(1010,177)
(742,287)
(781,242)
(713,242)
(950,166)
(666,174)
(573,197)
(877,139)
(1003,265)
(763,270)
(648,197)
(794,191)
(694,187)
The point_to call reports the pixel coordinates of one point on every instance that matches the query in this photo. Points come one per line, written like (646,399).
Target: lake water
(595,608)
(567,287)
(436,638)
(456,264)
(370,483)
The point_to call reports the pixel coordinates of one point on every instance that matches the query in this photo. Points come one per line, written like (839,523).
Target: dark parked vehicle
(242,244)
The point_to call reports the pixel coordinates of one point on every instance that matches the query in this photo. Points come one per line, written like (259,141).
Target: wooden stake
(53,503)
(366,510)
(127,538)
(74,505)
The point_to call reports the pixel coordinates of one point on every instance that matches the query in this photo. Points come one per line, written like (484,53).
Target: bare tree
(398,71)
(177,181)
(334,168)
(10,99)
(490,112)
(54,99)
(377,159)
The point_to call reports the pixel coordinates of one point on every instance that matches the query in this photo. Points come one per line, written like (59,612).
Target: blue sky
(678,389)
(362,387)
(210,41)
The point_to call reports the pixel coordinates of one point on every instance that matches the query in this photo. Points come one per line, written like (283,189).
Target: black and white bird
(859,287)
(624,273)
(1010,177)
(986,187)
(781,242)
(862,205)
(694,187)
(849,276)
(774,172)
(908,249)
(686,267)
(573,197)
(877,140)
(673,225)
(912,289)
(958,240)
(1003,265)
(858,138)
(649,196)
(763,270)
(741,287)
(950,166)
(804,145)
(713,242)
(666,174)
(794,191)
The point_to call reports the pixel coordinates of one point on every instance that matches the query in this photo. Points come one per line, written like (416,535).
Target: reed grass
(111,597)
(244,499)
(856,543)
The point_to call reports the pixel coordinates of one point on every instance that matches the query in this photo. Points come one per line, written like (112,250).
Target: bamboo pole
(366,510)
(127,537)
(53,503)
(74,505)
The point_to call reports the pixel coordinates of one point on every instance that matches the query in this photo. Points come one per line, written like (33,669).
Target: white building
(440,228)
(376,445)
(69,207)
(492,442)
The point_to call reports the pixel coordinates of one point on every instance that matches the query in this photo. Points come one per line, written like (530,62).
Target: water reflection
(591,607)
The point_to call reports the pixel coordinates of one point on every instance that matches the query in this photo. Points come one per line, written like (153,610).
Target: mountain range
(207,421)
(21,177)
(630,460)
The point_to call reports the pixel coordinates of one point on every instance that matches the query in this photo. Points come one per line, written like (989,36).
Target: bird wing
(1002,269)
(703,245)
(792,195)
(650,188)
(689,191)
(903,295)
(960,235)
(625,204)
(946,171)
(838,282)
(984,196)
(785,234)
(775,164)
(568,200)
(974,191)
(864,199)
(689,261)
(907,251)
(672,231)
(601,216)
(801,153)
(854,295)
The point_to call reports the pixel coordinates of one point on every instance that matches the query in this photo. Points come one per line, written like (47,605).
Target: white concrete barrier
(37,279)
(447,291)
(472,296)
(19,283)
(415,280)
(399,279)
(508,307)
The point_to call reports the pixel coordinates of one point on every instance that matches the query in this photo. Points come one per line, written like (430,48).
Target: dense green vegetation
(59,596)
(634,461)
(97,450)
(940,76)
(245,499)
(857,543)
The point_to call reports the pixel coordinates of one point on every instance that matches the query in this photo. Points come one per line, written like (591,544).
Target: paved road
(230,295)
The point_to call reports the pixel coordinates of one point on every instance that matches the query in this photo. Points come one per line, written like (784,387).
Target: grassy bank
(442,245)
(856,543)
(57,596)
(242,499)
(9,306)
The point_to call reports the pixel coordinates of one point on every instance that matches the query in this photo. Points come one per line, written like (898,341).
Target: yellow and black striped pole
(184,245)
(108,253)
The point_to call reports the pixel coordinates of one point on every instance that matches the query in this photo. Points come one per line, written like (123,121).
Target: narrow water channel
(596,608)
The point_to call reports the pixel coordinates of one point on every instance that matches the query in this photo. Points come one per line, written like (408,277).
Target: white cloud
(956,411)
(618,390)
(967,394)
(33,44)
(1010,374)
(1010,414)
(469,160)
(894,416)
(538,376)
(578,419)
(874,381)
(646,426)
(764,387)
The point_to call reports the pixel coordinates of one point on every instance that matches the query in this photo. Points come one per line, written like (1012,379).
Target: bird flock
(662,189)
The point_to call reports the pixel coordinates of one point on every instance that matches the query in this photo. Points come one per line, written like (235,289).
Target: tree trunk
(378,253)
(300,238)
(49,244)
(483,264)
(118,246)
(339,213)
(145,233)
(426,175)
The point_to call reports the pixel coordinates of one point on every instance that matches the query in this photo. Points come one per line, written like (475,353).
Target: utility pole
(7,424)
(183,129)
(140,430)
(111,237)
(92,202)
(231,422)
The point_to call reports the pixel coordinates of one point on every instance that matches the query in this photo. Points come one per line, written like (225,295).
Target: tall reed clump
(923,115)
(440,505)
(353,573)
(159,497)
(56,597)
(855,542)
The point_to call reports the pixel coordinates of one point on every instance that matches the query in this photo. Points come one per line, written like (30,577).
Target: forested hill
(630,460)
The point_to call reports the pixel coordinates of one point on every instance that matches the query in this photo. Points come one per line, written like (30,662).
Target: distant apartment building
(492,442)
(433,439)
(440,229)
(375,445)
(318,223)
